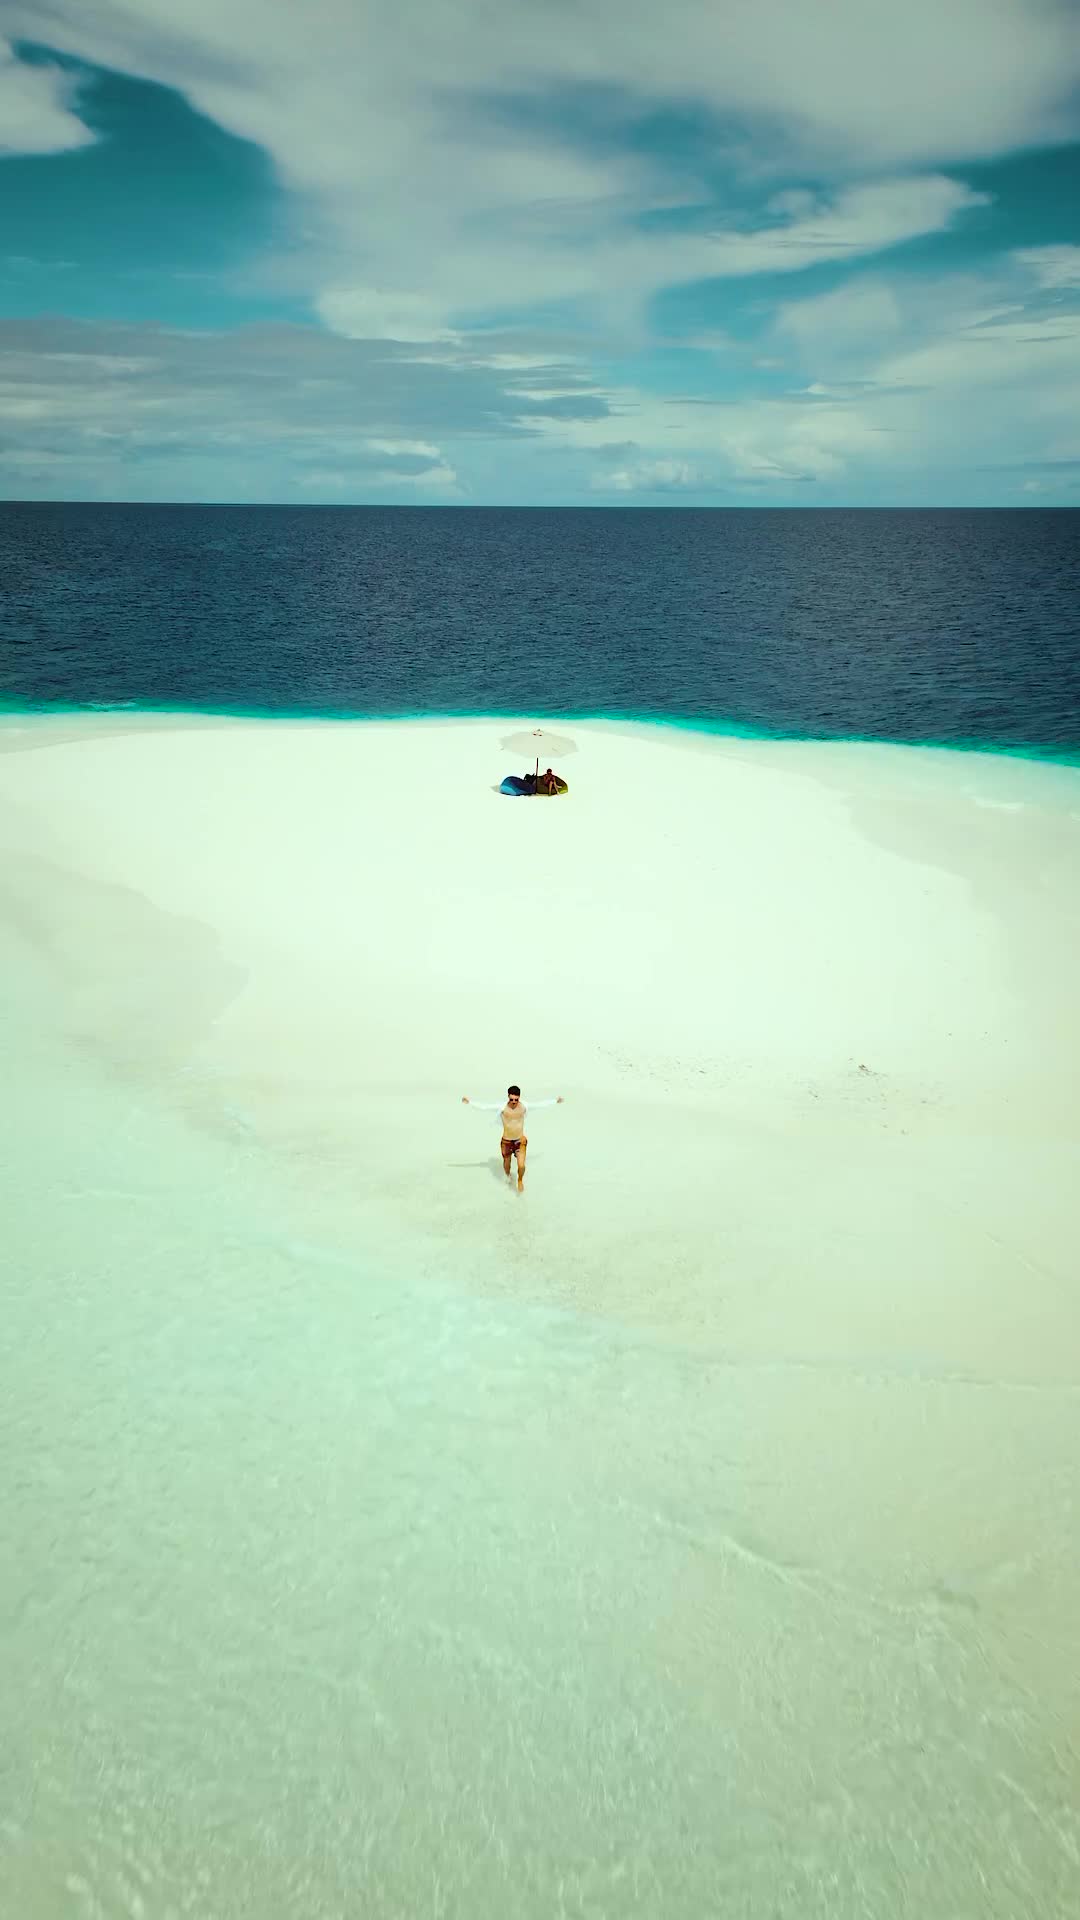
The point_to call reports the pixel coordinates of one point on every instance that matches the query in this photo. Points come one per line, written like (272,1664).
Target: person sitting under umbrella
(558,744)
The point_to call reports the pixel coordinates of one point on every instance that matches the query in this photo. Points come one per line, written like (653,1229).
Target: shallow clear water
(330,1590)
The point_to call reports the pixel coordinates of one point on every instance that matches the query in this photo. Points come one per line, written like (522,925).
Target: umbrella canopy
(540,744)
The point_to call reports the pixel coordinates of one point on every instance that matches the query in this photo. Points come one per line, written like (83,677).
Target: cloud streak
(963,383)
(87,404)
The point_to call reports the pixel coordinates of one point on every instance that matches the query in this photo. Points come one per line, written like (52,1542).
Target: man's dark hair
(511,1090)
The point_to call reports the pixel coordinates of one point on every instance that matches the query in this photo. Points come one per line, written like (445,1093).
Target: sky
(453,252)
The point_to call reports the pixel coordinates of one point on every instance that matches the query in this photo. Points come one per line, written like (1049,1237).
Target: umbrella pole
(538,769)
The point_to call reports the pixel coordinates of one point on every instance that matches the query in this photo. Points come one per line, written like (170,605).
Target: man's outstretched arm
(483,1106)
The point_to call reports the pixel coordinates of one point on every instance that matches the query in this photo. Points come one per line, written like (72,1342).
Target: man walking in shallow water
(514,1142)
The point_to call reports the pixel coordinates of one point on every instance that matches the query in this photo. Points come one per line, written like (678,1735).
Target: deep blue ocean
(955,627)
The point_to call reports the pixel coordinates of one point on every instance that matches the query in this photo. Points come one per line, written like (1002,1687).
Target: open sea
(955,627)
(359,1578)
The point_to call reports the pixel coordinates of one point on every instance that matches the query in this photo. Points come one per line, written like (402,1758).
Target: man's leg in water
(505,1145)
(521,1164)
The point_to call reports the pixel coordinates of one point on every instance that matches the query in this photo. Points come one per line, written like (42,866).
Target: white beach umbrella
(540,743)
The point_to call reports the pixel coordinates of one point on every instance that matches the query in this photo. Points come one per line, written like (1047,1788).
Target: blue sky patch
(159,218)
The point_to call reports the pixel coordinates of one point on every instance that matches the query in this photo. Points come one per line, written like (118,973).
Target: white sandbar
(812,1007)
(695,1532)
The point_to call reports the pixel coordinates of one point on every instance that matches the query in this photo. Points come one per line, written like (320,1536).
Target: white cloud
(262,412)
(910,388)
(512,362)
(620,269)
(1052,266)
(858,221)
(981,388)
(434,162)
(440,478)
(419,449)
(918,330)
(433,186)
(651,476)
(362,483)
(342,89)
(1036,352)
(697,444)
(847,320)
(35,108)
(372,313)
(943,376)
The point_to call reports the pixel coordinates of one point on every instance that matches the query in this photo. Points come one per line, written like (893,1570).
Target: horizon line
(560,506)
